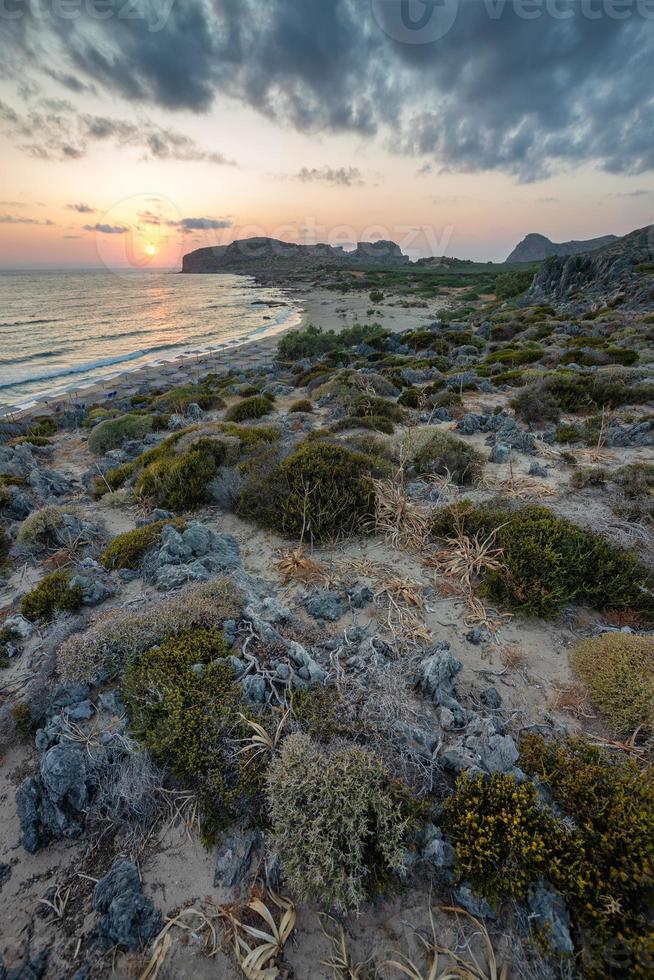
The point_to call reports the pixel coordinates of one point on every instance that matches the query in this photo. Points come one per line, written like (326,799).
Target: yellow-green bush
(185,706)
(301,405)
(54,593)
(336,824)
(608,879)
(320,489)
(254,407)
(440,453)
(180,481)
(503,838)
(550,561)
(127,550)
(619,671)
(44,529)
(112,433)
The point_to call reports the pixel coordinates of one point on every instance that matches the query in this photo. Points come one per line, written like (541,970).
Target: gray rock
(65,696)
(19,626)
(81,712)
(477,635)
(491,697)
(127,918)
(17,460)
(437,851)
(549,914)
(322,604)
(92,580)
(472,903)
(194,412)
(537,470)
(176,422)
(54,803)
(254,689)
(500,453)
(234,857)
(49,483)
(435,677)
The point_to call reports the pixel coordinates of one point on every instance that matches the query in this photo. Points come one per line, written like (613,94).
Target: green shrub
(504,839)
(411,397)
(550,561)
(561,392)
(180,482)
(321,490)
(619,671)
(112,433)
(127,550)
(336,825)
(432,451)
(117,638)
(515,356)
(38,441)
(608,879)
(311,341)
(54,593)
(251,437)
(370,406)
(187,726)
(179,399)
(115,478)
(250,408)
(510,284)
(301,405)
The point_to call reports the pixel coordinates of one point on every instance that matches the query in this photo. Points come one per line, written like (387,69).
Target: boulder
(549,914)
(127,918)
(234,855)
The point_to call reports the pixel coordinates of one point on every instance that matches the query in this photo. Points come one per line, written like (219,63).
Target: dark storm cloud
(337,176)
(523,88)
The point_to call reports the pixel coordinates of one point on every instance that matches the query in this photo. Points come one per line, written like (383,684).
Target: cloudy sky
(132,131)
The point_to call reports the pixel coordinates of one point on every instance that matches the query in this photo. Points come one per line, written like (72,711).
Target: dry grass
(513,657)
(402,602)
(572,698)
(463,561)
(259,961)
(202,926)
(296,565)
(261,742)
(340,962)
(402,523)
(466,967)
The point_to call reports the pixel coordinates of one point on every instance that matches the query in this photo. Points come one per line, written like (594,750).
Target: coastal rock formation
(258,256)
(616,274)
(535,248)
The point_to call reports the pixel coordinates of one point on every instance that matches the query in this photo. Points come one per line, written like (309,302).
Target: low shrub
(112,433)
(619,671)
(43,530)
(311,341)
(54,593)
(515,356)
(430,451)
(510,284)
(504,839)
(23,723)
(118,638)
(549,561)
(336,824)
(579,391)
(378,423)
(301,405)
(410,397)
(196,712)
(608,879)
(254,407)
(180,481)
(320,490)
(127,550)
(179,399)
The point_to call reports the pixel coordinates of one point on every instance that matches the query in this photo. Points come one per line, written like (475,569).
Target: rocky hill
(535,248)
(260,256)
(619,273)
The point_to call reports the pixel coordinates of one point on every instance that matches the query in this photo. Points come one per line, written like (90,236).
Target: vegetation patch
(336,822)
(619,671)
(549,561)
(112,433)
(190,722)
(430,451)
(53,594)
(310,342)
(321,491)
(127,550)
(180,481)
(254,407)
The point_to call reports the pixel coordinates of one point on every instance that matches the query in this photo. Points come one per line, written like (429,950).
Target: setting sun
(150,250)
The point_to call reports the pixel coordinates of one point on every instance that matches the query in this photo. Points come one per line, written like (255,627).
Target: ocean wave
(88,367)
(30,323)
(36,356)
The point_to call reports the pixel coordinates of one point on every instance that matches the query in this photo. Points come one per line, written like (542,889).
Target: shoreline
(313,305)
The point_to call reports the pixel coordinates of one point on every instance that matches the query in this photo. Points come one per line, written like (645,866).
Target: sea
(63,331)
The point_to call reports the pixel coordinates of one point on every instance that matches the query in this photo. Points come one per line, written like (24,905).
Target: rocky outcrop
(258,256)
(535,248)
(127,918)
(617,274)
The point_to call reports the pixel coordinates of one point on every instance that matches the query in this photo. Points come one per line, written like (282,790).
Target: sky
(133,131)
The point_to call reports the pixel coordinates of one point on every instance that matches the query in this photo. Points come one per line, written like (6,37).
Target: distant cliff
(622,272)
(259,256)
(535,248)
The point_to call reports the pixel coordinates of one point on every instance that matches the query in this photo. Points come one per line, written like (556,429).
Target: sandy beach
(320,307)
